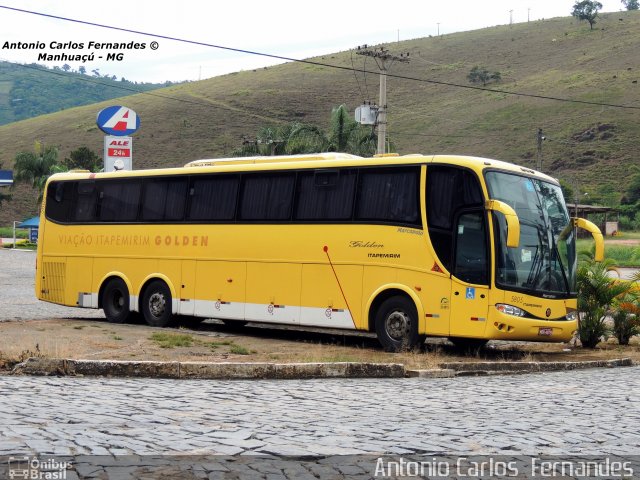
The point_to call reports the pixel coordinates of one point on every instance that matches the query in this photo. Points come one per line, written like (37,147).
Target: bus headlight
(510,310)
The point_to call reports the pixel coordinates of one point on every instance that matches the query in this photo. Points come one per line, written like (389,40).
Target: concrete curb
(290,371)
(201,370)
(502,368)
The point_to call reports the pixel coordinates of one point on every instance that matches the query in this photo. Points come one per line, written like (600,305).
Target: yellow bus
(404,246)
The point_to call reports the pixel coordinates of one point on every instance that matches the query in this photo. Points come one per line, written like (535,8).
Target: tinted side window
(267,196)
(449,190)
(85,205)
(471,249)
(59,200)
(119,201)
(325,195)
(213,197)
(389,195)
(164,199)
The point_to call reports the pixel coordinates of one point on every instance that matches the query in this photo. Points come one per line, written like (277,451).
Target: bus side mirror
(593,229)
(513,224)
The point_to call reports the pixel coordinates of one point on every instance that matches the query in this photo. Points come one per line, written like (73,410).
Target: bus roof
(315,160)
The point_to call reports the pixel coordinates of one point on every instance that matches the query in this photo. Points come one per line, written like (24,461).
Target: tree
(66,67)
(83,158)
(82,70)
(36,167)
(567,191)
(345,135)
(482,75)
(632,194)
(631,4)
(587,10)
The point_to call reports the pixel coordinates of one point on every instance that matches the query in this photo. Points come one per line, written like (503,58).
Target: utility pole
(510,17)
(438,29)
(384,60)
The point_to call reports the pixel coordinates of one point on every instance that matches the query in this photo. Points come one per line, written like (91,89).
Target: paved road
(583,413)
(310,429)
(17,298)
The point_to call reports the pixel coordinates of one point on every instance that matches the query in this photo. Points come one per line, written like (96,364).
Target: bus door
(470,275)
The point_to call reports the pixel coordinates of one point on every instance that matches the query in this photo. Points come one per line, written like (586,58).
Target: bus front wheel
(115,301)
(397,324)
(156,304)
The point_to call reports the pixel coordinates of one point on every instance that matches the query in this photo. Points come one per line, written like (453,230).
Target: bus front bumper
(508,327)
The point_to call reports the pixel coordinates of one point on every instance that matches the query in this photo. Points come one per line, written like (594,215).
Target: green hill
(588,146)
(27,91)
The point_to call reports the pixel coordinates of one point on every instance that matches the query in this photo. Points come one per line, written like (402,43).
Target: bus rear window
(59,200)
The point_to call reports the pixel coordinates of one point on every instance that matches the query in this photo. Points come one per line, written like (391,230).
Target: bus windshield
(544,263)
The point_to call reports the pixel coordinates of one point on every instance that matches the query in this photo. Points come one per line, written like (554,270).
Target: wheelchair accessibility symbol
(471,293)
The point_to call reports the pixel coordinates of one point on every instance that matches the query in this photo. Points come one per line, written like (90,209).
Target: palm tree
(36,167)
(345,135)
(269,141)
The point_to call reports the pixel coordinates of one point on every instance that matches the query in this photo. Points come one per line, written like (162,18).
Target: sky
(286,28)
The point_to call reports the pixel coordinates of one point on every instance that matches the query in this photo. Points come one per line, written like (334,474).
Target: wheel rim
(117,301)
(397,325)
(157,304)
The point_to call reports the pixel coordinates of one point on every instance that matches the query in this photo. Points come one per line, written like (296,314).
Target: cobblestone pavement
(582,413)
(17,298)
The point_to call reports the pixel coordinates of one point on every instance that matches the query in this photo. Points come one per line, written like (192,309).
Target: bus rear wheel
(397,324)
(156,304)
(115,301)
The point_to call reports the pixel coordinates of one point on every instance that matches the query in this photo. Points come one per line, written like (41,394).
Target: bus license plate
(545,332)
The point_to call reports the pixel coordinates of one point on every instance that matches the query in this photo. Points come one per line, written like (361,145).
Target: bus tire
(115,301)
(396,324)
(156,304)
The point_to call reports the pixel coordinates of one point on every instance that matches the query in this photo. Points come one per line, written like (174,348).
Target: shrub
(626,322)
(596,294)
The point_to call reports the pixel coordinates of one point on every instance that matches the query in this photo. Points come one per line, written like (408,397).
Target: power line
(355,75)
(321,64)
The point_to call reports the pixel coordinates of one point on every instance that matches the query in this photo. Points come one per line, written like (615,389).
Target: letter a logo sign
(118,120)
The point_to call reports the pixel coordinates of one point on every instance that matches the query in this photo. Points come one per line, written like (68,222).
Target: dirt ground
(214,342)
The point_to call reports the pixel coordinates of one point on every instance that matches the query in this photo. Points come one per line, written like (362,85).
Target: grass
(22,246)
(171,340)
(624,255)
(238,350)
(7,232)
